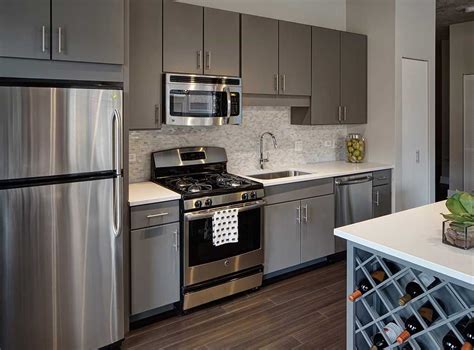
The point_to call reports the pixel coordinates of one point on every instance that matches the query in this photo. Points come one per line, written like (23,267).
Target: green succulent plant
(461,207)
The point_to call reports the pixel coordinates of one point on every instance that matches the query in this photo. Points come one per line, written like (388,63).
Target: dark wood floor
(306,311)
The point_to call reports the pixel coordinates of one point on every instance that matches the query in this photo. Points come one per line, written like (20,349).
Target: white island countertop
(147,192)
(414,235)
(316,171)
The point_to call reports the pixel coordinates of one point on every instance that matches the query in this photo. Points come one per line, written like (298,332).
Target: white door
(415,167)
(469,133)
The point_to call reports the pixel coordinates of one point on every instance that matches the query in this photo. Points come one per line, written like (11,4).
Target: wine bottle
(413,326)
(391,330)
(413,289)
(364,285)
(450,341)
(469,335)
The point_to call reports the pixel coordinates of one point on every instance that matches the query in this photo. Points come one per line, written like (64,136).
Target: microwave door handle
(229,101)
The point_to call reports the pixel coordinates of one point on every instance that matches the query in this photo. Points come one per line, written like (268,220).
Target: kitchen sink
(278,174)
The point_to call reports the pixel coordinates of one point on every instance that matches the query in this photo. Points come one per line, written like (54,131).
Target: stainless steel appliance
(201,100)
(60,216)
(353,202)
(211,272)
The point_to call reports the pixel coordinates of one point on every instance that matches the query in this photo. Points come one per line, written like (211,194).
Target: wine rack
(379,306)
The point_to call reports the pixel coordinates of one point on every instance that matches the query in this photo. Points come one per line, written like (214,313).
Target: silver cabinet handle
(176,245)
(381,178)
(418,156)
(157,117)
(60,40)
(117,196)
(283,82)
(298,214)
(339,114)
(43,39)
(305,213)
(151,216)
(277,83)
(199,59)
(377,198)
(345,113)
(208,59)
(117,123)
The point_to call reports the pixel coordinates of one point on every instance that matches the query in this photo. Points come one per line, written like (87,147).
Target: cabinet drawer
(154,214)
(383,177)
(298,190)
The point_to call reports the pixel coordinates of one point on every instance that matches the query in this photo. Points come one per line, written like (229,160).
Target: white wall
(322,13)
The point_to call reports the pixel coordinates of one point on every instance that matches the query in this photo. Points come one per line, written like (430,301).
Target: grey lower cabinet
(298,231)
(276,57)
(145,69)
(382,193)
(155,267)
(25,28)
(199,40)
(339,78)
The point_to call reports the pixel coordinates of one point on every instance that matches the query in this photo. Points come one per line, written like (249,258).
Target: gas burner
(198,187)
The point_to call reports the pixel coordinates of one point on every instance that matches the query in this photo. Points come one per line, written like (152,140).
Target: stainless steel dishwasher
(353,202)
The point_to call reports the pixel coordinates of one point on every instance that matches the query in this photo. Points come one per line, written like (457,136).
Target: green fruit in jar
(356,153)
(359,158)
(350,149)
(356,146)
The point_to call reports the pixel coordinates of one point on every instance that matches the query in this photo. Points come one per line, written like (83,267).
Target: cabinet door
(354,78)
(282,236)
(145,64)
(317,226)
(182,38)
(294,58)
(154,267)
(259,55)
(221,42)
(382,196)
(24,28)
(326,76)
(88,31)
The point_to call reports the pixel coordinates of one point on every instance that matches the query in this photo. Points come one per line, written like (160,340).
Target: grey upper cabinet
(145,64)
(182,38)
(154,267)
(25,28)
(317,225)
(221,42)
(282,236)
(294,58)
(259,45)
(326,76)
(88,31)
(354,78)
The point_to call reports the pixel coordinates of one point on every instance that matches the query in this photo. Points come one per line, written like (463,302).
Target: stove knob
(253,195)
(245,196)
(208,202)
(198,204)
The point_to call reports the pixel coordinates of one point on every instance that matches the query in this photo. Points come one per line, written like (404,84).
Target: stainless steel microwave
(201,100)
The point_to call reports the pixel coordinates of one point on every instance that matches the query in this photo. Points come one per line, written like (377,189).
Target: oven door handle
(229,101)
(202,214)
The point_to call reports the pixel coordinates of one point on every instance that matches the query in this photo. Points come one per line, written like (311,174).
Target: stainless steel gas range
(211,272)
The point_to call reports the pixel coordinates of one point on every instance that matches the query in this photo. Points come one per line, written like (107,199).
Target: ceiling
(452,11)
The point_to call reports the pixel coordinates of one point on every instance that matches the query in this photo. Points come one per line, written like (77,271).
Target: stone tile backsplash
(319,143)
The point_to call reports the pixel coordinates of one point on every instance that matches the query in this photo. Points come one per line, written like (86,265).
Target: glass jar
(355,147)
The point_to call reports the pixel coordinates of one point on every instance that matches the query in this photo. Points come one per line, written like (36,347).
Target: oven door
(204,261)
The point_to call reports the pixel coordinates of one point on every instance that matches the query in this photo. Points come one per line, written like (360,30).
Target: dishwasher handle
(355,181)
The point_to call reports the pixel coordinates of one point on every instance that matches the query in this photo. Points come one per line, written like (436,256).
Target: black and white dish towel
(225,227)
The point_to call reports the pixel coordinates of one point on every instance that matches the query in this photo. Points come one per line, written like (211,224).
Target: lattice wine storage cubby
(367,315)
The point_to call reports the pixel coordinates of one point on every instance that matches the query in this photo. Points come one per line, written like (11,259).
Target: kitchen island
(403,245)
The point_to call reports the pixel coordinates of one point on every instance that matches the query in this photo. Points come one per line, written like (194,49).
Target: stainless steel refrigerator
(61,268)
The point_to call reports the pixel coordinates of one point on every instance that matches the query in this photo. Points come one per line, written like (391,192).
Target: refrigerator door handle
(117,122)
(117,206)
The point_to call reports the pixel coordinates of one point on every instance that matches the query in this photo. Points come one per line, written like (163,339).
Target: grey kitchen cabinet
(182,38)
(88,31)
(282,236)
(294,58)
(317,225)
(326,76)
(221,42)
(382,193)
(259,55)
(354,78)
(146,23)
(154,267)
(25,28)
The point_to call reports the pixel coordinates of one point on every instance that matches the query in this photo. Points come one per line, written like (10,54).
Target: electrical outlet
(132,157)
(298,146)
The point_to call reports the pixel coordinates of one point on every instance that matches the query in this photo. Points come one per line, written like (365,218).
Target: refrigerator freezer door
(61,282)
(56,131)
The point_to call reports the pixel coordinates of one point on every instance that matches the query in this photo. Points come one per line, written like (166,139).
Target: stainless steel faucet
(262,159)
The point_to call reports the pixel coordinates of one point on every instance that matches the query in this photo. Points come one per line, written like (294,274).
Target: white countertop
(148,192)
(319,171)
(414,235)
